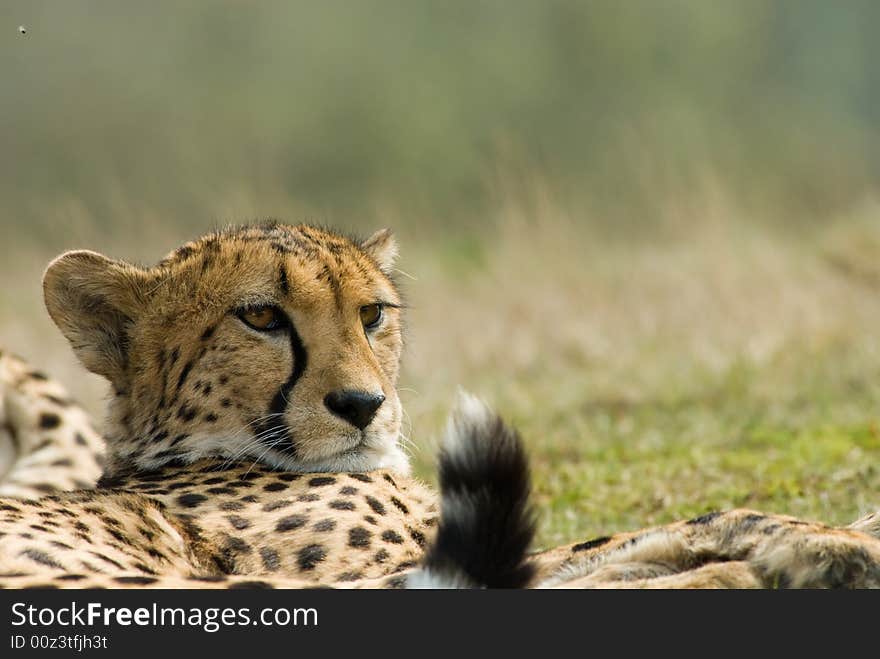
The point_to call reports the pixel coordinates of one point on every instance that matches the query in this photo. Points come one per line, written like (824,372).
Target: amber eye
(263,318)
(371,315)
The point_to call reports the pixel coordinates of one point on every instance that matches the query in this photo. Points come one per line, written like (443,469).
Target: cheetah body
(47,442)
(226,466)
(198,524)
(223,455)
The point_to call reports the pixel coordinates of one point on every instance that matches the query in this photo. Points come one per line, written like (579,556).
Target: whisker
(253,441)
(406,274)
(260,457)
(256,440)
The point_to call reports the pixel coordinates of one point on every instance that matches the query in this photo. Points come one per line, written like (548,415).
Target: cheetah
(253,440)
(732,549)
(47,442)
(242,366)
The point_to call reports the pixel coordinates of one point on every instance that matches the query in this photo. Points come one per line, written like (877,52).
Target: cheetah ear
(382,246)
(94,300)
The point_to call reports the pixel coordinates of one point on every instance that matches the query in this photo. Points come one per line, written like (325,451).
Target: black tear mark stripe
(274,432)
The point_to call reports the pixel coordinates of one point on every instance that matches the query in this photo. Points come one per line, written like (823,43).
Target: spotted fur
(227,469)
(732,549)
(213,424)
(203,522)
(190,380)
(47,442)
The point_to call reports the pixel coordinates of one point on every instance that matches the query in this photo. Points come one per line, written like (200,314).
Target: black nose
(356,407)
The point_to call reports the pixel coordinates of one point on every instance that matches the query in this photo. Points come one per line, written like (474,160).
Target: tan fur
(192,381)
(204,406)
(214,478)
(201,522)
(47,442)
(779,552)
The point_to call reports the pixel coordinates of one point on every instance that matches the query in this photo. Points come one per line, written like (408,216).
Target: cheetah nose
(356,407)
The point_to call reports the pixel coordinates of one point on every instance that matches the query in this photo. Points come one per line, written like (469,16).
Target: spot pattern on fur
(166,514)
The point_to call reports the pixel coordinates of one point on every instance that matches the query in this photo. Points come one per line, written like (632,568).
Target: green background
(646,231)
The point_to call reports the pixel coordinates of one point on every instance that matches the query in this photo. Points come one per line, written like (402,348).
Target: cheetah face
(272,344)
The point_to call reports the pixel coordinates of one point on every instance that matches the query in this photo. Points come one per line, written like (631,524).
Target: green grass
(612,465)
(646,232)
(652,467)
(719,360)
(709,365)
(728,367)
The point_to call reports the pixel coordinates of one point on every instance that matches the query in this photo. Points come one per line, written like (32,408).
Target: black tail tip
(486,523)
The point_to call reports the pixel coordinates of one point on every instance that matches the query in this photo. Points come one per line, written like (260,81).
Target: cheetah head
(270,343)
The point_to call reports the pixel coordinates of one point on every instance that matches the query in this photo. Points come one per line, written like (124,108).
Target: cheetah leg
(47,442)
(780,552)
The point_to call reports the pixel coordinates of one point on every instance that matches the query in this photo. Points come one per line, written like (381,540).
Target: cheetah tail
(486,523)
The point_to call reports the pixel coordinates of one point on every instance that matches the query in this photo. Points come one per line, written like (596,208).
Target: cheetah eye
(371,315)
(263,319)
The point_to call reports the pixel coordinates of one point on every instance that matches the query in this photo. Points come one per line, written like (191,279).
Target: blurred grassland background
(648,232)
